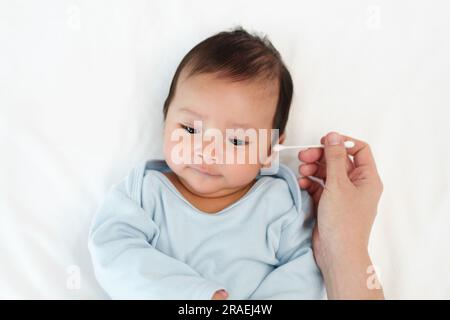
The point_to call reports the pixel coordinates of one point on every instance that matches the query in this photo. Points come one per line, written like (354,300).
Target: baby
(194,226)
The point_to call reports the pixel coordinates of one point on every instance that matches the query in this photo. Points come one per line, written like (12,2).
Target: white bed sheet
(81,90)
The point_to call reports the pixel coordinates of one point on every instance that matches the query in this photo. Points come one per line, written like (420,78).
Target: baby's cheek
(172,157)
(242,155)
(254,153)
(238,175)
(179,148)
(167,150)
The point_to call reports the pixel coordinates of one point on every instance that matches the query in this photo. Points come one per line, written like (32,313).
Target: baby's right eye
(189,129)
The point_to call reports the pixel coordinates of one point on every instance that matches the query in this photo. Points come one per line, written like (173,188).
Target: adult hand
(346,209)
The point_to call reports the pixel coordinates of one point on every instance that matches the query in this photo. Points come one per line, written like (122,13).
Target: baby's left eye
(189,129)
(238,142)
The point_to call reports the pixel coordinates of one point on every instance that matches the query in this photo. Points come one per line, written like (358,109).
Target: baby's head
(232,80)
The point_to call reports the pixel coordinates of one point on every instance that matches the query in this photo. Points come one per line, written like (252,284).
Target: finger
(315,163)
(335,157)
(304,183)
(362,155)
(316,154)
(312,187)
(317,169)
(308,169)
(321,171)
(309,185)
(310,155)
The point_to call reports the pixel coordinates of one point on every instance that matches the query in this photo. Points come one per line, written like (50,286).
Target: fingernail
(333,139)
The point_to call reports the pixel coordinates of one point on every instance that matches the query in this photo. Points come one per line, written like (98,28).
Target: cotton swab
(280,147)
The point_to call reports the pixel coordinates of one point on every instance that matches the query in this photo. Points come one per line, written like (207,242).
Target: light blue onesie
(148,242)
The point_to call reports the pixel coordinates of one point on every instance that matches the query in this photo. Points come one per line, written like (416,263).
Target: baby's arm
(296,275)
(126,264)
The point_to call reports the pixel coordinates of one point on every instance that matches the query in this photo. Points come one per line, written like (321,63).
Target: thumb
(336,157)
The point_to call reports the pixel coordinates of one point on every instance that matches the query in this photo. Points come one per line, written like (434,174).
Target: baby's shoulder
(276,192)
(153,181)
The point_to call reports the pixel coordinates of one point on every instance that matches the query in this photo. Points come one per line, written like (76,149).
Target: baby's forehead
(210,96)
(263,83)
(206,86)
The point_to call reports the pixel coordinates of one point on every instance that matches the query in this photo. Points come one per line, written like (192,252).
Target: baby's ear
(280,141)
(282,138)
(268,161)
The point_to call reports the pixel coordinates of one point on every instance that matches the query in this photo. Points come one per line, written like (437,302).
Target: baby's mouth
(203,170)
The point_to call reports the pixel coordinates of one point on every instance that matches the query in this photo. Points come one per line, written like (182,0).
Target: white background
(81,90)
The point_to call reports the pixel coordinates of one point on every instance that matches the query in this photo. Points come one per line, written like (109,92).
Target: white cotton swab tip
(279,147)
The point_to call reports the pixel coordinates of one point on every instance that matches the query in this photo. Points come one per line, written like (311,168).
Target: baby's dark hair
(238,56)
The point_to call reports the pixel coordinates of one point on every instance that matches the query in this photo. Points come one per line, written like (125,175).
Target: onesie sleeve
(127,265)
(296,276)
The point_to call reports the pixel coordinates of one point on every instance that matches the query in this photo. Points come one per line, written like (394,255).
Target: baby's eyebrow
(191,112)
(231,125)
(236,125)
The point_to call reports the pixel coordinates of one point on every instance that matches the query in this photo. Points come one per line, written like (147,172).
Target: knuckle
(363,143)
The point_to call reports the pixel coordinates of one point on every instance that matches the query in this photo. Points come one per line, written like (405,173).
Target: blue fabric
(148,242)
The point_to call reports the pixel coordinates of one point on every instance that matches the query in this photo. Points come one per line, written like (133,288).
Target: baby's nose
(208,151)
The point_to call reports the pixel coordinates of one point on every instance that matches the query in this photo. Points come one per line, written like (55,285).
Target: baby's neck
(209,205)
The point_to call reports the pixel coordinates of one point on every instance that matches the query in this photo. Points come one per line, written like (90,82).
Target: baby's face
(220,105)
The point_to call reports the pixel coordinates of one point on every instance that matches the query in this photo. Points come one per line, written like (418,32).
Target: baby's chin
(201,183)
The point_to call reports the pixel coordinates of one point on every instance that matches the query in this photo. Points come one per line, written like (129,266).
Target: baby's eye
(238,142)
(189,129)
